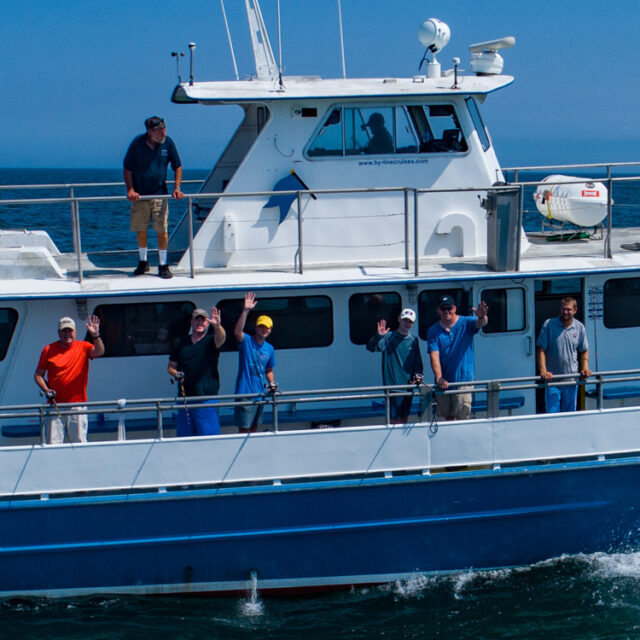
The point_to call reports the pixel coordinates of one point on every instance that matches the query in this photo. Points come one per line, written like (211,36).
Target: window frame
(229,319)
(392,129)
(524,328)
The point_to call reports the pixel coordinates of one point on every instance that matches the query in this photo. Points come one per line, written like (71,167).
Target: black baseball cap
(154,122)
(446,300)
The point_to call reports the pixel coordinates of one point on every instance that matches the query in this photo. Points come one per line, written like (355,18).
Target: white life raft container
(583,204)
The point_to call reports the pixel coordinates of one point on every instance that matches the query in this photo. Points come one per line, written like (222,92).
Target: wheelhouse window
(506,310)
(367,309)
(483,134)
(427,305)
(8,322)
(388,130)
(622,303)
(143,329)
(299,322)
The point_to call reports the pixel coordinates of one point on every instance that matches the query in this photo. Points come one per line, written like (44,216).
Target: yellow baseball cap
(265,321)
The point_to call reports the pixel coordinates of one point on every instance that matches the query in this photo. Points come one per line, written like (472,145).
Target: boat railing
(318,407)
(410,207)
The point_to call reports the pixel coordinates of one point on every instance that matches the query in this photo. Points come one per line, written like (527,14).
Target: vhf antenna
(177,56)
(192,48)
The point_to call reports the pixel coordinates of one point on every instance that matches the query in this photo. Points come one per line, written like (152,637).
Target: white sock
(162,256)
(143,253)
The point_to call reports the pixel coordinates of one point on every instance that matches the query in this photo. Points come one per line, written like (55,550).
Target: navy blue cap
(446,300)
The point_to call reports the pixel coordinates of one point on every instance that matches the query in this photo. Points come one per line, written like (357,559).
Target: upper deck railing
(297,409)
(410,206)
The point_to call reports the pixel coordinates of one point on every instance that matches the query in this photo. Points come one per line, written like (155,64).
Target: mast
(266,67)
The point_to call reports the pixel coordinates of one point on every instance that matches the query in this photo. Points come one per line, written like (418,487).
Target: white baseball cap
(409,314)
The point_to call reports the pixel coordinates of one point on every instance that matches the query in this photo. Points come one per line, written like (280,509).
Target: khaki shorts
(456,406)
(143,212)
(73,426)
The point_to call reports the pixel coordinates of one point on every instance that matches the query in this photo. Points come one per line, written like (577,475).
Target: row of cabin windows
(302,322)
(350,131)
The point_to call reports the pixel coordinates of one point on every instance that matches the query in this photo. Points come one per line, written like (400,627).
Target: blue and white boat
(332,233)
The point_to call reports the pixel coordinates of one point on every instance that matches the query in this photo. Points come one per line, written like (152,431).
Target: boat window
(506,310)
(328,142)
(299,322)
(143,329)
(369,131)
(438,127)
(367,309)
(427,301)
(8,322)
(483,134)
(622,303)
(351,131)
(406,141)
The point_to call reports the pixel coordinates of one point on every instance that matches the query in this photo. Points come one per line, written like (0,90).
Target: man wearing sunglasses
(450,346)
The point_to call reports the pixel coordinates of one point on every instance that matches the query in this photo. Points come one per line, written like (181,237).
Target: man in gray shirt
(562,348)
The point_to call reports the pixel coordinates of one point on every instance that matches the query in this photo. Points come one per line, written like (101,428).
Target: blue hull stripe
(374,524)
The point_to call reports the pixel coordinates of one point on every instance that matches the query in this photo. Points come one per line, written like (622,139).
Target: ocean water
(577,597)
(580,597)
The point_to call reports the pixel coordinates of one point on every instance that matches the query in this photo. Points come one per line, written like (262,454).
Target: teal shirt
(401,357)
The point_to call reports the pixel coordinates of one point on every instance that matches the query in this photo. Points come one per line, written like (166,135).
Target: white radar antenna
(434,35)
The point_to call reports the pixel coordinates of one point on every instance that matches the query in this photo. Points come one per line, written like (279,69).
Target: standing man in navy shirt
(145,174)
(562,347)
(450,345)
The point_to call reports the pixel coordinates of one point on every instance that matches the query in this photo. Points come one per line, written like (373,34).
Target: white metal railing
(409,195)
(325,404)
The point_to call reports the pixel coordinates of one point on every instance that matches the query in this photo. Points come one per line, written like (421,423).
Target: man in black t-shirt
(145,174)
(193,362)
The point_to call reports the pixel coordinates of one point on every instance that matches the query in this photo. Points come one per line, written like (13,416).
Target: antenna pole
(279,47)
(233,55)
(344,68)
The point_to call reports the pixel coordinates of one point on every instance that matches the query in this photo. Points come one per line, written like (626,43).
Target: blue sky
(80,76)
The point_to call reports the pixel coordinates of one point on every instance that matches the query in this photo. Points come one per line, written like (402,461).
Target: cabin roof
(313,87)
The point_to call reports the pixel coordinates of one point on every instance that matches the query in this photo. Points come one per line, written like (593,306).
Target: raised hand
(215,316)
(250,301)
(382,327)
(482,310)
(93,325)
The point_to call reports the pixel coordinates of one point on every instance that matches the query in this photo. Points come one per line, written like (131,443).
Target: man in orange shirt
(65,363)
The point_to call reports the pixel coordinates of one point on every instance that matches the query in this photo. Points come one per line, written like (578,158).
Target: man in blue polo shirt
(145,174)
(450,345)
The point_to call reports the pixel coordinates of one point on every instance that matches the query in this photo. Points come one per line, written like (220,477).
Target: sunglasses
(446,307)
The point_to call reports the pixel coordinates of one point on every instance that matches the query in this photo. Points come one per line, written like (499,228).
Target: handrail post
(274,403)
(493,399)
(192,267)
(600,391)
(387,407)
(73,215)
(607,242)
(300,267)
(406,229)
(43,438)
(519,235)
(160,425)
(77,243)
(416,266)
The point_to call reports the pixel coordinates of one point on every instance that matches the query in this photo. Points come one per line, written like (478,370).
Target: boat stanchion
(122,432)
(493,399)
